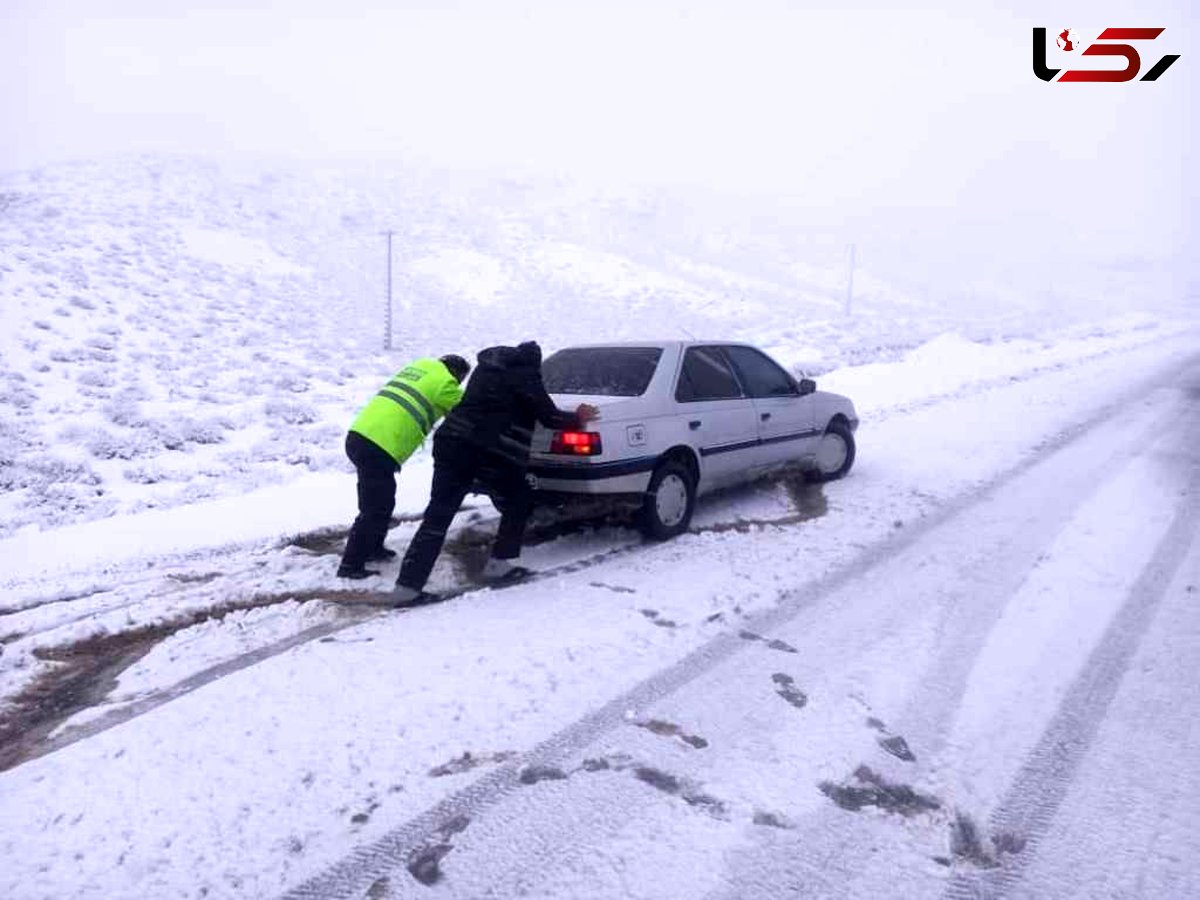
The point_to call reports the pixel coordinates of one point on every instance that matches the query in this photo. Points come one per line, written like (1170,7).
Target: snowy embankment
(334,743)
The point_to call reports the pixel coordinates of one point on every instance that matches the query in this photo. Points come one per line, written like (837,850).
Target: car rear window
(605,371)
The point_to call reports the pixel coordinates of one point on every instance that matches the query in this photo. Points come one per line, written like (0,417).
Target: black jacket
(503,400)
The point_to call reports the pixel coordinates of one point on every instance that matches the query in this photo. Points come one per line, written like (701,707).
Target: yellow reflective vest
(404,411)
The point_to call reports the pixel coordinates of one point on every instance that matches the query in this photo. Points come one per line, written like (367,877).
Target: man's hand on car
(587,413)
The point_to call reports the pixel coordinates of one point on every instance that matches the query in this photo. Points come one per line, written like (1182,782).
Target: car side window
(762,376)
(706,375)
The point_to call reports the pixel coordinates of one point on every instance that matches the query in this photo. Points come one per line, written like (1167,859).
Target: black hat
(458,366)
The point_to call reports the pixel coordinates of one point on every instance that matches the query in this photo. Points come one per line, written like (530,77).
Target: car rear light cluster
(576,443)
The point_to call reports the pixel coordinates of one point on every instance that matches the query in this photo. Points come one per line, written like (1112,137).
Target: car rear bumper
(623,476)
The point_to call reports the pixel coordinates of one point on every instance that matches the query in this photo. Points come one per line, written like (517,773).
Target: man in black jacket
(486,438)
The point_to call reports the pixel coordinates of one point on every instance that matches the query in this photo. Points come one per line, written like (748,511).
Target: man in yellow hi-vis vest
(385,433)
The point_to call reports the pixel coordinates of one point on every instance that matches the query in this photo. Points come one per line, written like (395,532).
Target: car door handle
(765,416)
(694,424)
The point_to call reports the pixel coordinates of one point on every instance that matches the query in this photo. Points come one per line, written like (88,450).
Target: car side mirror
(807,386)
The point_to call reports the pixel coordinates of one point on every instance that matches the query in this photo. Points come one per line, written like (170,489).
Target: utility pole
(387,328)
(850,281)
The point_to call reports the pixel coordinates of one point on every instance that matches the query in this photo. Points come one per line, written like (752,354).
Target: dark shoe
(407,596)
(381,555)
(356,574)
(502,571)
(513,575)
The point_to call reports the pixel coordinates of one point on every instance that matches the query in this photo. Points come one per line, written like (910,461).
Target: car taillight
(576,443)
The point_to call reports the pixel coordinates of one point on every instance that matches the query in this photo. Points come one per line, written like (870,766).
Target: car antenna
(688,333)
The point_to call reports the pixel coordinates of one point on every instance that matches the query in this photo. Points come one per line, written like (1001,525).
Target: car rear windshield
(605,371)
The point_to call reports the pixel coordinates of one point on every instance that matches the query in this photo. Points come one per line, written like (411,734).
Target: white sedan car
(679,419)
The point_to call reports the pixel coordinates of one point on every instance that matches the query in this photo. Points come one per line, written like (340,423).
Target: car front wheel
(834,454)
(670,499)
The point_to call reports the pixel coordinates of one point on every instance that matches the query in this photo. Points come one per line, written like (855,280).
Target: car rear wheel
(669,502)
(834,454)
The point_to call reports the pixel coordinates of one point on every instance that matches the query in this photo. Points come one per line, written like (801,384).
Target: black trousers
(458,468)
(376,499)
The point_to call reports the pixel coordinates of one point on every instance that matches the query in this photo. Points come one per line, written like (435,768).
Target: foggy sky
(857,110)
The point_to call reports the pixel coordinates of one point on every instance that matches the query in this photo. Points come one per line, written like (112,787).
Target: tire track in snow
(159,587)
(357,606)
(834,858)
(354,874)
(1043,782)
(143,590)
(350,616)
(131,571)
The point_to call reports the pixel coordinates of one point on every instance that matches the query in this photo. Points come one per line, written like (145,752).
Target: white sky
(856,108)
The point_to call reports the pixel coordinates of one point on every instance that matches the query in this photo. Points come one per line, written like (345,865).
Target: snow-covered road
(964,670)
(952,716)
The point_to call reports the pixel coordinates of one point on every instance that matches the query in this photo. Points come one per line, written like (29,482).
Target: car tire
(669,502)
(834,454)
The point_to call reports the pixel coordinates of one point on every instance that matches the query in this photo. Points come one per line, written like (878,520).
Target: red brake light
(576,443)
